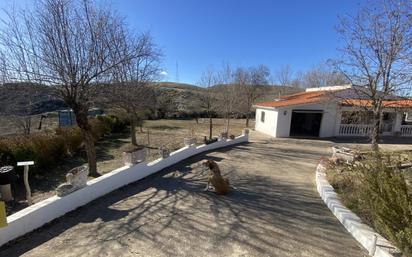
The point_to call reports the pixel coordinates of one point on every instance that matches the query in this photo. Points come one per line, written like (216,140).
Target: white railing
(355,130)
(406,130)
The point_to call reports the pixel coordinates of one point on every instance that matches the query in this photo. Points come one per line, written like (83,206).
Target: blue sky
(198,34)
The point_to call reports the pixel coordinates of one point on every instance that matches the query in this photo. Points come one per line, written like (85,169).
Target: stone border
(375,244)
(35,216)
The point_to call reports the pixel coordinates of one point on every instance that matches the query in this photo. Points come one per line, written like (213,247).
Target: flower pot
(75,179)
(164,153)
(222,136)
(189,141)
(134,156)
(210,141)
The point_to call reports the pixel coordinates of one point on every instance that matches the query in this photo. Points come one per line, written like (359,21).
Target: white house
(331,112)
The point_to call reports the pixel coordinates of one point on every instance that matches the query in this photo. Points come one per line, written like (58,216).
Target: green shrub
(99,128)
(115,123)
(389,199)
(377,191)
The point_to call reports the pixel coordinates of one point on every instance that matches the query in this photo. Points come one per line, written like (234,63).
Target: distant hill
(26,98)
(177,86)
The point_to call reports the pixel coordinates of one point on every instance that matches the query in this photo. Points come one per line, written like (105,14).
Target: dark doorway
(305,123)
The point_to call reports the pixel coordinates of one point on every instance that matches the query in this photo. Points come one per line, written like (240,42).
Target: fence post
(26,179)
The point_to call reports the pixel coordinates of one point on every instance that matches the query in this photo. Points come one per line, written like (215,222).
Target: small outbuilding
(331,112)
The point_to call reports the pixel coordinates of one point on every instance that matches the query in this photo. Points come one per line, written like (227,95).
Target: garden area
(379,191)
(58,150)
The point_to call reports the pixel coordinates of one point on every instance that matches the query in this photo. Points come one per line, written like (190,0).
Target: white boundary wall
(353,224)
(47,210)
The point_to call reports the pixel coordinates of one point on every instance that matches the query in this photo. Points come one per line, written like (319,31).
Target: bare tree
(131,91)
(284,76)
(375,54)
(249,81)
(227,94)
(242,80)
(322,75)
(208,98)
(67,44)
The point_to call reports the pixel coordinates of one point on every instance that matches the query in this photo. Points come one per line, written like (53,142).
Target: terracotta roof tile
(322,96)
(298,99)
(403,103)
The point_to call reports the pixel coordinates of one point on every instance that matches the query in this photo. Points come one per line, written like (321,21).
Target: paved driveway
(275,211)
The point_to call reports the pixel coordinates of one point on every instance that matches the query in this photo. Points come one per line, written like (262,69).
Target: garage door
(305,123)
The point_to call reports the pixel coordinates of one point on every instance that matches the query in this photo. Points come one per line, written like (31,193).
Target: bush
(377,191)
(73,139)
(389,199)
(47,149)
(114,123)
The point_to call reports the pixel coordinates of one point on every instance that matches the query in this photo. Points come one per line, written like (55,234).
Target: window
(262,116)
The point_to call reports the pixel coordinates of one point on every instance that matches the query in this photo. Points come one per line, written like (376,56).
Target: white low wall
(361,232)
(45,211)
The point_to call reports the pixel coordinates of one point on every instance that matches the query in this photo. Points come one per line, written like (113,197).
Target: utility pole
(177,72)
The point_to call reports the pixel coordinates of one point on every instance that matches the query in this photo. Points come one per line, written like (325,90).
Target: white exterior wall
(278,125)
(271,119)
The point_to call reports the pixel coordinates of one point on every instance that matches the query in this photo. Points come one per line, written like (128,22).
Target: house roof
(348,96)
(298,99)
(402,103)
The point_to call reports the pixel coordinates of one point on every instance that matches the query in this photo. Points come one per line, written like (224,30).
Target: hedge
(46,149)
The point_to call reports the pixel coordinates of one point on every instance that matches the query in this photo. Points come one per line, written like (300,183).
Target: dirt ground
(155,133)
(274,210)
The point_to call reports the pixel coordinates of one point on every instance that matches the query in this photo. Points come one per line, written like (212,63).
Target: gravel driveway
(274,211)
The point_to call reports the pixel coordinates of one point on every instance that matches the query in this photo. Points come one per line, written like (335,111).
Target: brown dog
(220,184)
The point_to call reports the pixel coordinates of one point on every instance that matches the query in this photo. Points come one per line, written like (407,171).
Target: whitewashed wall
(45,211)
(278,125)
(269,125)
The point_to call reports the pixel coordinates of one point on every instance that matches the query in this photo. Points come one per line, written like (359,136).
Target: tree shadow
(168,214)
(44,182)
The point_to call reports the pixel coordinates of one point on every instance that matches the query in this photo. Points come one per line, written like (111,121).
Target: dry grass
(168,133)
(160,133)
(10,126)
(171,133)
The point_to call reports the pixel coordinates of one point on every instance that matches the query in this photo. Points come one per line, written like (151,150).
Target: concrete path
(275,211)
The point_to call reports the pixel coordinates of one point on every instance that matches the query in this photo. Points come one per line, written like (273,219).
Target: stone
(346,154)
(75,179)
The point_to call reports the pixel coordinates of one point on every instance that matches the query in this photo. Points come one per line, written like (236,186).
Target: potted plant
(191,139)
(209,141)
(134,154)
(223,136)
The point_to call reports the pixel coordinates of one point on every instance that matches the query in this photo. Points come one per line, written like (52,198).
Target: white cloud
(163,73)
